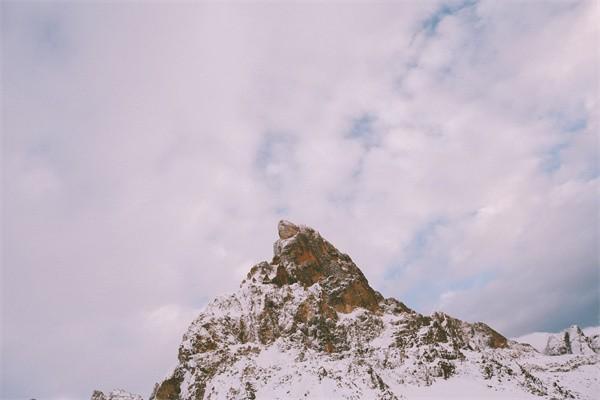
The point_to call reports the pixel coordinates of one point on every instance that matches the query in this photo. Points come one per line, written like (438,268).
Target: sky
(150,148)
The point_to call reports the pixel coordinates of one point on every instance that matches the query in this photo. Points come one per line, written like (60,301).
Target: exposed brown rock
(326,310)
(357,294)
(305,257)
(304,313)
(169,389)
(495,340)
(310,259)
(287,229)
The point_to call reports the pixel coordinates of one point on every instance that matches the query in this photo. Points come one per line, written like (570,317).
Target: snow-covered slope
(591,331)
(572,340)
(307,325)
(538,340)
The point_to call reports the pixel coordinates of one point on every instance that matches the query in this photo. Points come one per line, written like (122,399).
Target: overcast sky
(149,149)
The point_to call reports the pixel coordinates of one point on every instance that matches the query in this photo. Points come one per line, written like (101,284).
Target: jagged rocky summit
(307,325)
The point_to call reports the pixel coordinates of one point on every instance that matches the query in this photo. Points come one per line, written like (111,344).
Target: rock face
(310,259)
(307,324)
(594,341)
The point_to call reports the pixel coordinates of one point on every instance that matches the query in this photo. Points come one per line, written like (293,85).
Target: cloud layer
(149,150)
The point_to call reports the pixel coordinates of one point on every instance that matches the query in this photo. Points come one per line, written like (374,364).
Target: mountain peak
(303,256)
(308,324)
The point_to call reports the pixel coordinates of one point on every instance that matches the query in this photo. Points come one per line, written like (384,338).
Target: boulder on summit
(287,229)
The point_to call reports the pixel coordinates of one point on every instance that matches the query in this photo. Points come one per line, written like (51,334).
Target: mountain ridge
(307,324)
(571,340)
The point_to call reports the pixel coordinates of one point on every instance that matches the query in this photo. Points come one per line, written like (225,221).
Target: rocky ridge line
(308,323)
(572,341)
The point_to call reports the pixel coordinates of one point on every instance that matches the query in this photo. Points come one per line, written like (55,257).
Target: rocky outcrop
(118,394)
(309,259)
(286,229)
(594,341)
(571,341)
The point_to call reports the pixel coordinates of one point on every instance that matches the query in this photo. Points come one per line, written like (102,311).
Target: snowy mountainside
(307,325)
(572,340)
(538,340)
(591,331)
